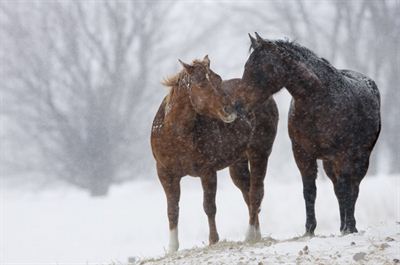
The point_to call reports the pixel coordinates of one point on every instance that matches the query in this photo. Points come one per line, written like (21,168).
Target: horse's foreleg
(308,169)
(171,185)
(209,183)
(258,168)
(310,194)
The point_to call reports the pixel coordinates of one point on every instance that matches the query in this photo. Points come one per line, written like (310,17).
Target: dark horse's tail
(371,83)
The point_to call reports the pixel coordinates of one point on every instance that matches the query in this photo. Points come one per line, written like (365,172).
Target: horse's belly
(218,156)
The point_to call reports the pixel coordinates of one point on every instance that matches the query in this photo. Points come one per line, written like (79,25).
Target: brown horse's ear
(206,61)
(188,68)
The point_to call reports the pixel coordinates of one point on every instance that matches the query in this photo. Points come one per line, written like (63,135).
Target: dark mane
(304,55)
(297,52)
(295,49)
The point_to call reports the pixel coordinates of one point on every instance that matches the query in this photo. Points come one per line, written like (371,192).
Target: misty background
(80,80)
(80,83)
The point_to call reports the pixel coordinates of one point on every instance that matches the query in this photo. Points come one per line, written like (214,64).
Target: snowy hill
(66,226)
(374,246)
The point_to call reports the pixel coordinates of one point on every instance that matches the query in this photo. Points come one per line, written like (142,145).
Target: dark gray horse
(334,116)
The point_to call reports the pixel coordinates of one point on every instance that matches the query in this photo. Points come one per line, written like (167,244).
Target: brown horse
(334,116)
(196,132)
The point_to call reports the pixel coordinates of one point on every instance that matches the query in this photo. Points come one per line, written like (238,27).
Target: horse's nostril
(238,107)
(228,109)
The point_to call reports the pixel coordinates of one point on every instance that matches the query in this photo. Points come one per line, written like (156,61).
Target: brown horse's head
(205,91)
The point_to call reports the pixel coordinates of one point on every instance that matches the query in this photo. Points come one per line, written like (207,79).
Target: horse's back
(362,84)
(346,119)
(369,104)
(366,99)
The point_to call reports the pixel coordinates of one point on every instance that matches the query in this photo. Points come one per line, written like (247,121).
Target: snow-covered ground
(66,226)
(373,246)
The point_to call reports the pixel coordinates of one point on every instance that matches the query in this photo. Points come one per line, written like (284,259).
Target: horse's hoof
(173,241)
(253,234)
(309,234)
(172,248)
(347,231)
(213,239)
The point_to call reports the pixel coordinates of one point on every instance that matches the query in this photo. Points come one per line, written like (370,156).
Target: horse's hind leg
(258,168)
(209,183)
(308,169)
(330,172)
(171,185)
(240,175)
(353,171)
(343,191)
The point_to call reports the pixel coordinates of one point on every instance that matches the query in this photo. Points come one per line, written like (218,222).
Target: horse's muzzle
(239,108)
(229,115)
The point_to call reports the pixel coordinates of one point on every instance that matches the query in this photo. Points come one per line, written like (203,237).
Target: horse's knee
(209,184)
(209,208)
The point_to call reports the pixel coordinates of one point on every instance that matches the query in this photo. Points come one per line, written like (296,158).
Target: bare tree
(73,73)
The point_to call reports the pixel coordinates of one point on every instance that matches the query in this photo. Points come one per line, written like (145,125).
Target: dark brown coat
(334,116)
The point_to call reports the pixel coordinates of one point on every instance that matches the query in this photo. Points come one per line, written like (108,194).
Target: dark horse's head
(264,72)
(205,91)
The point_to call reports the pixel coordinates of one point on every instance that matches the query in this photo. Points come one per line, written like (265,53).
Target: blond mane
(173,82)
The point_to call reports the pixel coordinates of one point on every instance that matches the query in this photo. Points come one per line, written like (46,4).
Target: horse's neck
(303,83)
(179,113)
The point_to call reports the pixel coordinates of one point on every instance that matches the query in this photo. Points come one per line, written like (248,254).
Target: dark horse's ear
(188,68)
(266,43)
(254,42)
(206,61)
(259,39)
